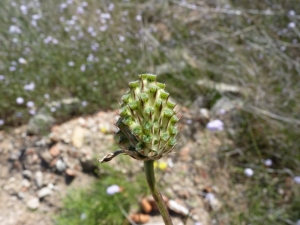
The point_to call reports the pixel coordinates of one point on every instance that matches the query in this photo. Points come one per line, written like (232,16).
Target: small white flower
(248,172)
(291,13)
(22,61)
(2,77)
(138,18)
(32,112)
(84,4)
(47,96)
(33,23)
(29,87)
(90,29)
(71,63)
(63,6)
(113,189)
(54,41)
(1,122)
(52,109)
(103,28)
(111,6)
(292,25)
(20,100)
(82,68)
(30,104)
(84,103)
(222,112)
(268,162)
(80,10)
(283,48)
(36,17)
(71,22)
(298,222)
(23,8)
(90,58)
(215,125)
(105,16)
(121,38)
(14,29)
(12,68)
(128,61)
(297,179)
(47,40)
(69,2)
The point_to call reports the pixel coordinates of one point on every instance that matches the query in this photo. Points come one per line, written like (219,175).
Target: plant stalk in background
(147,129)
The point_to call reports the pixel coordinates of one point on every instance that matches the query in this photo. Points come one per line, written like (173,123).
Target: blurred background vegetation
(89,50)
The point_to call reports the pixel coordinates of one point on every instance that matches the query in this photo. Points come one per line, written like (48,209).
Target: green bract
(147,123)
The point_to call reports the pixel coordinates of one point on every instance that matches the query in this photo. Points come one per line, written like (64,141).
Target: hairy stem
(150,177)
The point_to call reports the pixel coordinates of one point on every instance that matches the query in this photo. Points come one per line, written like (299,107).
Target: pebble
(25,183)
(54,150)
(146,206)
(27,174)
(33,203)
(140,218)
(38,178)
(44,192)
(46,156)
(78,137)
(60,165)
(70,172)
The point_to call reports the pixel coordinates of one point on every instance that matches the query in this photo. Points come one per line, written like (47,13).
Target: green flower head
(147,123)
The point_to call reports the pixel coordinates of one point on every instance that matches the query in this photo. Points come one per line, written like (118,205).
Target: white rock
(44,192)
(177,207)
(248,172)
(38,178)
(25,183)
(78,137)
(33,203)
(60,165)
(27,174)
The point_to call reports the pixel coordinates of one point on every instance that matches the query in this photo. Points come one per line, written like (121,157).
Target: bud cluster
(147,124)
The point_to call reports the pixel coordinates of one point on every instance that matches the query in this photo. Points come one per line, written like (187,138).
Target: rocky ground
(36,172)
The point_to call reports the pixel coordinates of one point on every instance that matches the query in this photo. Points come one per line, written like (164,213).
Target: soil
(36,172)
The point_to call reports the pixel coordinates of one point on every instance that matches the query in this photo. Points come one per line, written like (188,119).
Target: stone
(140,218)
(33,203)
(27,174)
(46,156)
(78,137)
(44,192)
(176,207)
(70,172)
(54,150)
(146,206)
(60,165)
(38,178)
(25,183)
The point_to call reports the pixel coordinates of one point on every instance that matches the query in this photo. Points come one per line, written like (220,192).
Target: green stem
(150,177)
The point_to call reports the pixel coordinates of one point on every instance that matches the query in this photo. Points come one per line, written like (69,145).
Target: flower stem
(150,177)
